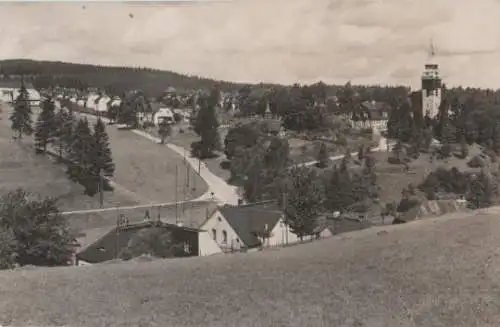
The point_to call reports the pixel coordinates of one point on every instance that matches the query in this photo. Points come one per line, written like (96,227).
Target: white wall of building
(431,100)
(282,235)
(91,101)
(102,104)
(219,224)
(161,114)
(33,95)
(207,245)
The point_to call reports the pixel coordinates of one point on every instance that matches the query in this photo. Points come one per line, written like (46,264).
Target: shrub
(394,161)
(476,162)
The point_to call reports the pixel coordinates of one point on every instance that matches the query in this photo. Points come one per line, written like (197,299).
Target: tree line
(85,150)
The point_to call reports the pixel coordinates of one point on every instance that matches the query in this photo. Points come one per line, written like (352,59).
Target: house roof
(375,110)
(248,221)
(156,106)
(109,245)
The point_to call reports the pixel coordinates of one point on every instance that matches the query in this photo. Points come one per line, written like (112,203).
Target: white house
(163,114)
(374,114)
(10,94)
(196,242)
(115,102)
(252,226)
(90,103)
(102,103)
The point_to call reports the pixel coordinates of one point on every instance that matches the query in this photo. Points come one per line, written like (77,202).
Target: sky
(281,41)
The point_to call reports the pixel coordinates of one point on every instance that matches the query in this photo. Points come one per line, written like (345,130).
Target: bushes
(476,162)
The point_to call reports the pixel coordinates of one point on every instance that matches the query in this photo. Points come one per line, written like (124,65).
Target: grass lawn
(394,178)
(185,139)
(21,168)
(438,272)
(146,170)
(149,169)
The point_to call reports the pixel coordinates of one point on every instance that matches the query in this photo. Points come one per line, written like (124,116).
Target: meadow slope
(440,272)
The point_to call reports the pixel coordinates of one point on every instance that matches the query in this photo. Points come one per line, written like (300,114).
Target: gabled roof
(106,247)
(248,221)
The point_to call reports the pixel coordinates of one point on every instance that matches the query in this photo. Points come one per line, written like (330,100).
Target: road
(139,206)
(223,192)
(148,169)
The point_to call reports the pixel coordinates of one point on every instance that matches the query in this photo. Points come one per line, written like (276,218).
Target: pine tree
(45,127)
(81,157)
(206,125)
(496,138)
(447,138)
(103,158)
(323,156)
(346,160)
(64,122)
(464,148)
(361,152)
(164,130)
(21,115)
(483,191)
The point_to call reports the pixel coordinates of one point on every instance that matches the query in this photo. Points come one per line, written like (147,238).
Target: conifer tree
(496,138)
(164,130)
(81,157)
(21,117)
(207,124)
(447,138)
(464,148)
(323,156)
(63,136)
(483,191)
(45,128)
(103,161)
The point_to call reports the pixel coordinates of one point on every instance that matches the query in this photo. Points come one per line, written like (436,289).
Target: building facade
(431,87)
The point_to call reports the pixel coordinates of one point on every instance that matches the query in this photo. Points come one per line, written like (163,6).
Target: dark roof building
(252,221)
(114,243)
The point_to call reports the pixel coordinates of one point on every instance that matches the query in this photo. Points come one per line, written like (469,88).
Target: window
(224,237)
(214,234)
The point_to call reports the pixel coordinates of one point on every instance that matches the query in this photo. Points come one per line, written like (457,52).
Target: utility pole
(283,208)
(176,199)
(101,189)
(117,233)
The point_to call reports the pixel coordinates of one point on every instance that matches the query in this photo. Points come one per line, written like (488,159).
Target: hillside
(113,79)
(440,272)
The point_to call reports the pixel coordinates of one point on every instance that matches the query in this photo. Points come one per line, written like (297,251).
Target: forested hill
(114,79)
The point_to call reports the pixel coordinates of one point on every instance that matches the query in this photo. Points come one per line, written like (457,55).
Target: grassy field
(145,173)
(439,272)
(21,168)
(392,179)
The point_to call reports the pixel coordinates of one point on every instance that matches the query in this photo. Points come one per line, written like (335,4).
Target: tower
(431,85)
